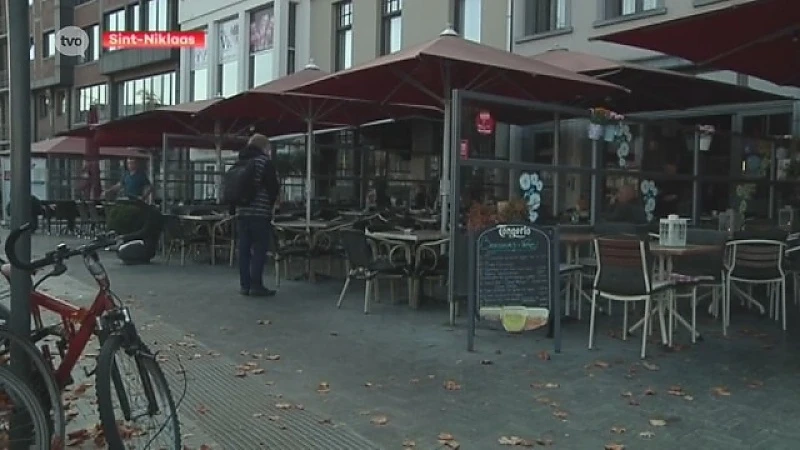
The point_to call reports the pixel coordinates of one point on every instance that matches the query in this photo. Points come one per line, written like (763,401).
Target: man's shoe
(244,292)
(261,292)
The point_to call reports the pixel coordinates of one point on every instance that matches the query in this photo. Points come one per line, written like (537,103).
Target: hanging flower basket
(706,136)
(610,132)
(595,131)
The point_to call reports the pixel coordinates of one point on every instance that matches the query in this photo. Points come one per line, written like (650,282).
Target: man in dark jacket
(628,208)
(255,219)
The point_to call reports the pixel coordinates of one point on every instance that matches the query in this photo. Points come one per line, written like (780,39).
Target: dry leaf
(755,384)
(647,435)
(447,440)
(445,437)
(721,391)
(543,355)
(258,371)
(614,447)
(264,322)
(379,420)
(514,441)
(618,430)
(560,415)
(283,406)
(273,357)
(545,385)
(649,391)
(627,394)
(658,422)
(325,421)
(676,391)
(244,353)
(486,362)
(650,366)
(409,444)
(451,385)
(688,398)
(240,374)
(324,387)
(202,409)
(601,364)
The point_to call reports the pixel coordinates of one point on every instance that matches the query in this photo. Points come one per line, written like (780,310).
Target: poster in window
(228,40)
(262,30)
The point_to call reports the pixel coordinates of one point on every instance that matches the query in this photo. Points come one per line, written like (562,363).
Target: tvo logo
(72,41)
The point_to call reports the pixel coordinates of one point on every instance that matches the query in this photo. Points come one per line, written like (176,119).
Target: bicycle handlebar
(63,252)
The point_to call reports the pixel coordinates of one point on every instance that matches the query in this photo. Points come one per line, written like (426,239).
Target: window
(544,16)
(391,26)
(157,15)
(32,50)
(93,51)
(620,8)
(228,68)
(291,60)
(88,96)
(61,103)
(49,44)
(468,19)
(198,74)
(114,21)
(344,35)
(135,17)
(145,94)
(43,106)
(262,35)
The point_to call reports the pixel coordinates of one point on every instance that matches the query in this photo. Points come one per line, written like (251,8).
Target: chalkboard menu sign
(515,266)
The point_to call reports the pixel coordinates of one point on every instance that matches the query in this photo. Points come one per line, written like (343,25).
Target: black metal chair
(179,235)
(624,273)
(706,269)
(363,265)
(284,247)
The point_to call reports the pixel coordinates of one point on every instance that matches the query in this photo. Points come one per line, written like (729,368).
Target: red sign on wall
(484,123)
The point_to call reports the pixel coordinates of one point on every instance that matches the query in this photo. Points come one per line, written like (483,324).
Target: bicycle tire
(20,391)
(148,367)
(47,378)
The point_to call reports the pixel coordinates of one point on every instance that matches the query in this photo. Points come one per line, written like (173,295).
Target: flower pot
(610,133)
(705,142)
(595,131)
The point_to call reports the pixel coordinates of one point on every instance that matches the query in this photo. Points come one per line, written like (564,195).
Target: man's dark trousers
(254,237)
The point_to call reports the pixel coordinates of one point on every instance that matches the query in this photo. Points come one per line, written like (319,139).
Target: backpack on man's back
(239,183)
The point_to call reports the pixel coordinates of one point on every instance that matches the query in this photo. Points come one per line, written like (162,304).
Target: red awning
(759,38)
(76,146)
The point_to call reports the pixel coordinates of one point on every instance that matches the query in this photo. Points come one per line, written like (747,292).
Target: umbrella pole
(444,186)
(595,195)
(220,165)
(556,162)
(309,151)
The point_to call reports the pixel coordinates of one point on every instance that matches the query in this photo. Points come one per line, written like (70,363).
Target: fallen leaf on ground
(676,391)
(658,422)
(409,444)
(202,409)
(447,440)
(81,388)
(367,384)
(258,371)
(514,441)
(627,394)
(264,322)
(486,362)
(618,430)
(272,357)
(543,355)
(545,385)
(299,406)
(283,406)
(324,387)
(600,364)
(633,402)
(240,374)
(325,421)
(379,420)
(560,415)
(755,384)
(451,385)
(721,391)
(688,398)
(614,447)
(650,366)
(244,353)
(647,435)
(274,418)
(546,442)
(649,391)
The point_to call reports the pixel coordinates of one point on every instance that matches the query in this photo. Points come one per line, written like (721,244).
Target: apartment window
(145,94)
(135,17)
(88,96)
(620,8)
(544,16)
(468,19)
(344,35)
(93,51)
(44,106)
(61,103)
(391,26)
(115,21)
(157,15)
(49,44)
(32,50)
(291,44)
(228,67)
(262,40)
(198,74)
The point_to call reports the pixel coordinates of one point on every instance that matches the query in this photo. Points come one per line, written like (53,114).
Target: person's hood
(250,151)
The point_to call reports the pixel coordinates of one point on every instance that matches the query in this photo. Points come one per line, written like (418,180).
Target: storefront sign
(484,123)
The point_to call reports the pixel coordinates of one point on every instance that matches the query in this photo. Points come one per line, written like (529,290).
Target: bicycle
(18,403)
(112,323)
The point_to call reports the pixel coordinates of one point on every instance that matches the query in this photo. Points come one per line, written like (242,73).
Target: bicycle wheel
(20,409)
(143,416)
(43,380)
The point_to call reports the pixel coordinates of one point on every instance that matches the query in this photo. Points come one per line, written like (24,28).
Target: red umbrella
(276,102)
(427,73)
(653,89)
(759,38)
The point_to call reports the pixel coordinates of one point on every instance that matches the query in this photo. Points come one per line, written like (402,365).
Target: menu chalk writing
(515,266)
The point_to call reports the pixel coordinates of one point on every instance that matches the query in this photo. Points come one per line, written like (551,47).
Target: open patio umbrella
(275,101)
(426,74)
(653,89)
(759,38)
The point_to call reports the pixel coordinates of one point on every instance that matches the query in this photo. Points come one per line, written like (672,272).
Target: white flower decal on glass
(649,194)
(525,181)
(532,186)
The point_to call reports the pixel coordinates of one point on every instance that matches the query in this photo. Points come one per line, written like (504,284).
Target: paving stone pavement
(399,377)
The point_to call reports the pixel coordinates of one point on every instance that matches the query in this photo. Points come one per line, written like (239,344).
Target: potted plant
(481,216)
(706,136)
(612,128)
(515,210)
(598,118)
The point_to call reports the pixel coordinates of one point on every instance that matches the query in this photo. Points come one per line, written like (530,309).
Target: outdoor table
(664,259)
(206,223)
(410,241)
